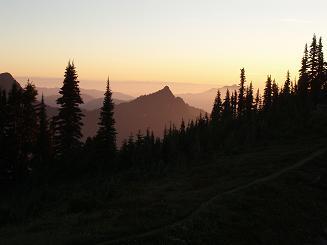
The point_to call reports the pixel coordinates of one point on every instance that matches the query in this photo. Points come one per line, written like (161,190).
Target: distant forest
(33,146)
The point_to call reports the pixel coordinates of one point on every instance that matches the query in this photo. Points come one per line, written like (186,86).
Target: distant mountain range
(92,98)
(205,99)
(97,103)
(153,111)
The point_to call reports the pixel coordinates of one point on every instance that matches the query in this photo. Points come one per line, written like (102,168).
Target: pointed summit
(7,81)
(166,88)
(165,92)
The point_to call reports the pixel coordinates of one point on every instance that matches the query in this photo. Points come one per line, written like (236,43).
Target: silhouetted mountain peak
(165,92)
(6,81)
(166,88)
(6,75)
(161,96)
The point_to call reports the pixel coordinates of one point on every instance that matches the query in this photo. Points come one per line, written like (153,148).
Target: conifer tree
(313,70)
(182,128)
(227,112)
(29,134)
(275,92)
(21,128)
(182,139)
(303,83)
(106,134)
(13,129)
(217,109)
(267,99)
(321,73)
(43,139)
(249,100)
(234,113)
(234,104)
(258,101)
(69,120)
(287,85)
(321,61)
(14,126)
(313,59)
(241,95)
(295,88)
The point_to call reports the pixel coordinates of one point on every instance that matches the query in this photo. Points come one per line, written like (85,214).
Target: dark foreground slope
(193,204)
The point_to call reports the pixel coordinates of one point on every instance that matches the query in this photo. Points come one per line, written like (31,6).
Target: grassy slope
(289,209)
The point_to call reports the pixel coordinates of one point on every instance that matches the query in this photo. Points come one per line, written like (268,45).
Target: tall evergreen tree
(295,87)
(227,112)
(313,59)
(274,93)
(321,61)
(106,134)
(267,98)
(321,73)
(249,100)
(241,95)
(234,104)
(29,135)
(43,138)
(29,110)
(303,83)
(287,85)
(313,70)
(217,109)
(14,126)
(69,120)
(182,128)
(258,101)
(21,128)
(12,152)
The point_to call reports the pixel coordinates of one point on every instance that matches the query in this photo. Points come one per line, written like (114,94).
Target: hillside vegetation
(94,209)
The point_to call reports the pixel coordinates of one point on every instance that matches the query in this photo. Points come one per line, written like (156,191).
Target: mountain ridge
(153,111)
(204,100)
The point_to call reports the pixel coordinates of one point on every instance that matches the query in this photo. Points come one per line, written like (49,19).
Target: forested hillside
(250,172)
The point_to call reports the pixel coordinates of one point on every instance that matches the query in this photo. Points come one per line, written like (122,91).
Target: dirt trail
(205,204)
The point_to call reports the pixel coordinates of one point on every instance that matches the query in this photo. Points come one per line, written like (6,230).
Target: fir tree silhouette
(313,70)
(267,98)
(69,120)
(275,92)
(241,94)
(287,85)
(43,138)
(106,134)
(227,113)
(217,109)
(303,83)
(234,104)
(257,101)
(249,101)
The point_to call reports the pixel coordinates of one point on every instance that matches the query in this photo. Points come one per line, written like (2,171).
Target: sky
(179,41)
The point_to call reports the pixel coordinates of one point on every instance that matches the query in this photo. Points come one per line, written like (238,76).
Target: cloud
(294,20)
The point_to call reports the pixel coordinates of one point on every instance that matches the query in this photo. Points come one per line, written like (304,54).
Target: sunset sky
(205,41)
